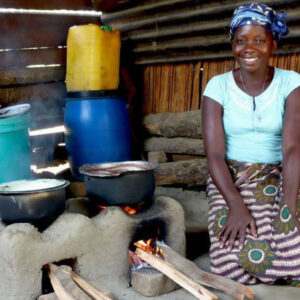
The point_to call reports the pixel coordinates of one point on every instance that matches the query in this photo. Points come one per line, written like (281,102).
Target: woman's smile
(250,60)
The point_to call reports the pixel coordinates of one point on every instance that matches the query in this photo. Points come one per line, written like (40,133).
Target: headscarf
(259,14)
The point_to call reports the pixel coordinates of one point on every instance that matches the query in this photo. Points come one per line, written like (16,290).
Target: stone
(150,282)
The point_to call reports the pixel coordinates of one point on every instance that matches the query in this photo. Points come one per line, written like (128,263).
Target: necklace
(263,87)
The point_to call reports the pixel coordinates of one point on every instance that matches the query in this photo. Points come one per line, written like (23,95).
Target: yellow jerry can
(93,58)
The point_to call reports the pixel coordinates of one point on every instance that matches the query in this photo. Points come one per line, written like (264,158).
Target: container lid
(105,27)
(93,94)
(14,110)
(32,186)
(115,168)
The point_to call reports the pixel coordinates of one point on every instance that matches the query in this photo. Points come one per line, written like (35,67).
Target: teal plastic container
(14,143)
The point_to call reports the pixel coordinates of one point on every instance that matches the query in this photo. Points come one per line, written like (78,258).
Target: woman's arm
(291,153)
(238,218)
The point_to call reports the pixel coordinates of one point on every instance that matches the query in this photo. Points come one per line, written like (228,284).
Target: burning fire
(128,209)
(101,207)
(150,246)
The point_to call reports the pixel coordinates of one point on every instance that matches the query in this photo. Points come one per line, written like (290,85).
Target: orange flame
(149,246)
(129,210)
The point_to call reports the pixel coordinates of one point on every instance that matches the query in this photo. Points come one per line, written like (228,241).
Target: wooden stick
(89,289)
(51,296)
(190,269)
(59,290)
(194,288)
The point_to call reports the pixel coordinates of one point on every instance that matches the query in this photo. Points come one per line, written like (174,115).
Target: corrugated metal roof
(185,30)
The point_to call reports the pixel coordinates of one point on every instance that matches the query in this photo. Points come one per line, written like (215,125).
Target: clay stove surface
(99,244)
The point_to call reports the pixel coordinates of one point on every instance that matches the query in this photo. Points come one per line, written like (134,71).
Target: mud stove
(98,245)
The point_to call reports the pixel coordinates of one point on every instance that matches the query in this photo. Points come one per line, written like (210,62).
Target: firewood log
(189,268)
(90,290)
(63,285)
(59,290)
(75,285)
(191,172)
(175,145)
(186,124)
(190,285)
(51,296)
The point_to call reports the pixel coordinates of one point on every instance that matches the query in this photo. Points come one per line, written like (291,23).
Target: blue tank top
(253,135)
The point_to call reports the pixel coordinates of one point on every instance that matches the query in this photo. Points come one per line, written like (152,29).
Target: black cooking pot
(122,183)
(21,202)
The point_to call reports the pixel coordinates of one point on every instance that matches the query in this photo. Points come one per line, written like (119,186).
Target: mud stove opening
(154,229)
(47,287)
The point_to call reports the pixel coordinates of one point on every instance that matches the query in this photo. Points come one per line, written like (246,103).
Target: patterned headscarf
(259,14)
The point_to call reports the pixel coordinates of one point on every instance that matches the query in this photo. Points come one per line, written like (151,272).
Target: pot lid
(115,168)
(14,110)
(32,186)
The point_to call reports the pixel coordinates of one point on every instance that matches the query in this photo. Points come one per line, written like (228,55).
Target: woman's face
(252,47)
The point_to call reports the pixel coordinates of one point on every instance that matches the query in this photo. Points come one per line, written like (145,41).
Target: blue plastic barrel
(14,143)
(97,129)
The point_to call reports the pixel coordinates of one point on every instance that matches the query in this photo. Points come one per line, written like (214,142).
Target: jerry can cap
(105,27)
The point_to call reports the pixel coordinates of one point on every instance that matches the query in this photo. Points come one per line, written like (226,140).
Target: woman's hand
(238,219)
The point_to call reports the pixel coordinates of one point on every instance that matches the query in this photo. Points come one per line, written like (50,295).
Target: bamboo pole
(196,87)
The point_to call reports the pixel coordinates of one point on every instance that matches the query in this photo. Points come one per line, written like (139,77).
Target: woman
(251,129)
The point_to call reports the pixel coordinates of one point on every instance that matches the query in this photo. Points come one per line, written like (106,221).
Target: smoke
(45,113)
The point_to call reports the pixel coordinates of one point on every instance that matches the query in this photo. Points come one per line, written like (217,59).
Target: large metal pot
(122,183)
(32,200)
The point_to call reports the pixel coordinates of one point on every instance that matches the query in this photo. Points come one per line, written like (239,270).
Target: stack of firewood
(175,144)
(68,285)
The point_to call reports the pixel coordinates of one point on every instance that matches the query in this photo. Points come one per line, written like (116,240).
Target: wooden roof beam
(201,26)
(201,41)
(106,17)
(180,14)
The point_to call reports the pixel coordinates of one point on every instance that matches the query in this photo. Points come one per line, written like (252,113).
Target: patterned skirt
(275,254)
